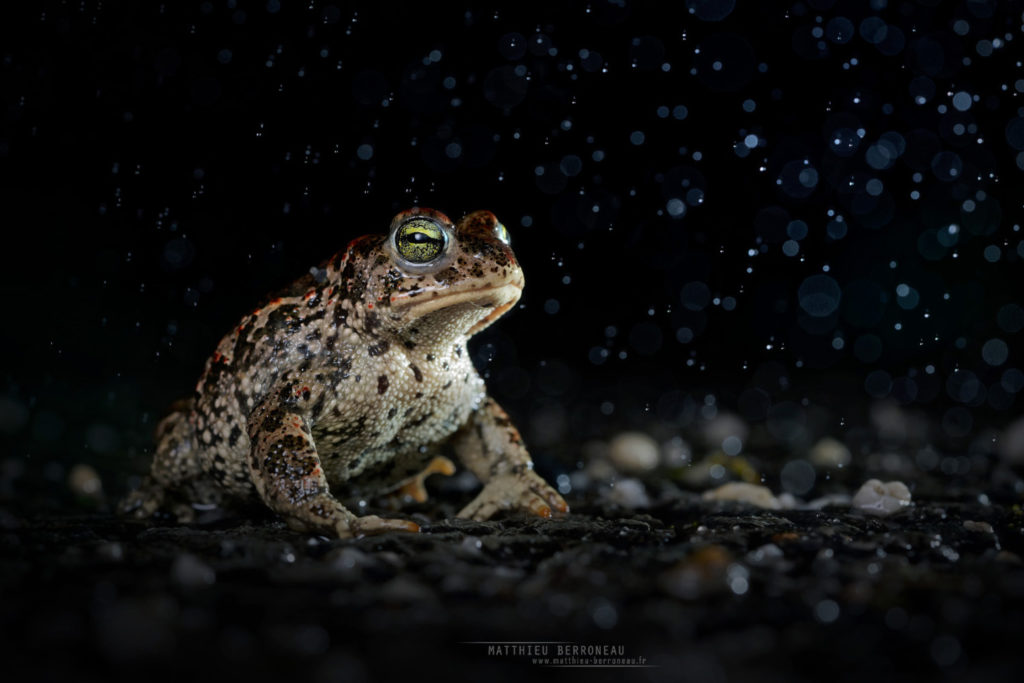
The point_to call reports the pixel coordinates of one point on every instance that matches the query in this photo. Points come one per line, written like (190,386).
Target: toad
(347,382)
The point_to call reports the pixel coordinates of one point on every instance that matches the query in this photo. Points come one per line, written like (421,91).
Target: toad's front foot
(522,491)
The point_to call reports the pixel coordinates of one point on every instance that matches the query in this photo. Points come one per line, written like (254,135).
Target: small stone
(742,492)
(876,498)
(191,572)
(676,452)
(981,527)
(829,452)
(601,470)
(84,481)
(722,426)
(629,493)
(838,499)
(633,452)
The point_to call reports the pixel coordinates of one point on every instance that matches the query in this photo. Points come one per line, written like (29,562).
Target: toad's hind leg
(176,471)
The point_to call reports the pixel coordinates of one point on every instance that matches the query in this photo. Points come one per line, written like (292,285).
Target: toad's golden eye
(420,240)
(502,234)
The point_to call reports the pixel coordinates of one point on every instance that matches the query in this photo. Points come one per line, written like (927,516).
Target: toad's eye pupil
(420,240)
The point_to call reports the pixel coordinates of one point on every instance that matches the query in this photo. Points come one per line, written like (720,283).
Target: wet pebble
(629,493)
(676,452)
(84,481)
(742,492)
(838,499)
(877,498)
(633,452)
(723,426)
(980,527)
(829,452)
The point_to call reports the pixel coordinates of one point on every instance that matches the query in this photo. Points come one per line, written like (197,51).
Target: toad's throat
(497,300)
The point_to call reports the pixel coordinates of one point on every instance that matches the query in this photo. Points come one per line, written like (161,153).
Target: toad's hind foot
(372,525)
(143,502)
(414,487)
(515,491)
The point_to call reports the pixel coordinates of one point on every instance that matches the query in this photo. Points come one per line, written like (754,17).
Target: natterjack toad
(345,383)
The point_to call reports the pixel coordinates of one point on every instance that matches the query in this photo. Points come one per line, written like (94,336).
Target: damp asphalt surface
(684,589)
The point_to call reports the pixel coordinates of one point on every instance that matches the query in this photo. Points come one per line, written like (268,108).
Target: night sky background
(760,208)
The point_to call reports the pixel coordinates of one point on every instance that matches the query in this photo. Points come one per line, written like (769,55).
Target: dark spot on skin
(382,384)
(430,358)
(340,320)
(236,432)
(379,348)
(458,351)
(409,344)
(314,317)
(416,372)
(272,421)
(331,341)
(447,384)
(419,394)
(391,412)
(418,421)
(284,317)
(371,322)
(318,407)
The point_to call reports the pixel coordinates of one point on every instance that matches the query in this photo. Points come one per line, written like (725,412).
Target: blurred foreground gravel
(700,591)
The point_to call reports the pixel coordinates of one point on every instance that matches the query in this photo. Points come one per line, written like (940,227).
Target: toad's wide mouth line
(500,297)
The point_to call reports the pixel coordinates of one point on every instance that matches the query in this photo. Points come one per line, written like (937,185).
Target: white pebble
(743,492)
(876,498)
(633,452)
(629,493)
(829,452)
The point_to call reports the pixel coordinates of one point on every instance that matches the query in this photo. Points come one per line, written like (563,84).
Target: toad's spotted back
(344,382)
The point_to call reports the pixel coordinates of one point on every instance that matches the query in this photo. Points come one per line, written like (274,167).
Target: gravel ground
(705,591)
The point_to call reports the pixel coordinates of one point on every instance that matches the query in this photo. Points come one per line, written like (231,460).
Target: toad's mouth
(497,299)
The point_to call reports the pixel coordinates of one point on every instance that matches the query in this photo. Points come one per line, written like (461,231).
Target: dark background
(721,209)
(165,165)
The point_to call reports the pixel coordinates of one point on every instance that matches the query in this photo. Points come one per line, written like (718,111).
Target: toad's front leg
(489,445)
(286,471)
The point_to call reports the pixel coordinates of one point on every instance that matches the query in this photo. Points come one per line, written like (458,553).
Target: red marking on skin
(330,301)
(310,294)
(275,301)
(369,305)
(393,299)
(255,312)
(216,356)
